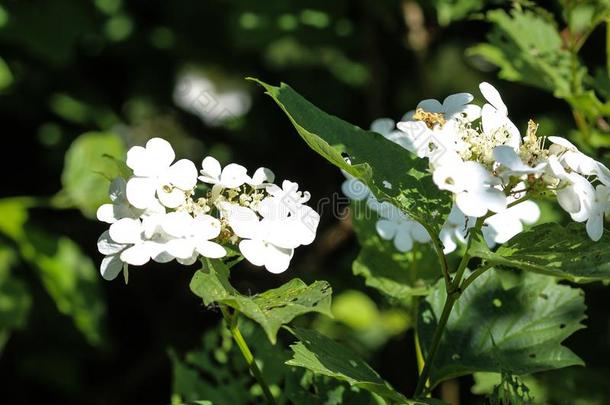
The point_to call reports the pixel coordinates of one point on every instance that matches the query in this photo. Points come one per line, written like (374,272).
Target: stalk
(246,352)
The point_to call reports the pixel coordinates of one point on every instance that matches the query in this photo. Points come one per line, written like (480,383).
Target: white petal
(233,176)
(205,227)
(126,231)
(403,241)
(527,211)
(160,152)
(110,267)
(562,142)
(189,261)
(470,204)
(386,229)
(177,224)
(507,156)
(595,227)
(136,255)
(472,112)
(493,199)
(278,259)
(107,246)
(180,248)
(445,236)
(456,101)
(210,170)
(383,126)
(491,119)
(568,200)
(419,233)
(431,105)
(210,249)
(355,190)
(183,174)
(141,192)
(105,213)
(493,97)
(261,176)
(137,160)
(172,199)
(243,221)
(253,251)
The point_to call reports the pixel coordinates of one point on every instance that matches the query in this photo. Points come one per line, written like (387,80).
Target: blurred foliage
(121,72)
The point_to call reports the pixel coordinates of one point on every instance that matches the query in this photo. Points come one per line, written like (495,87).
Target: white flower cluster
(479,155)
(161,213)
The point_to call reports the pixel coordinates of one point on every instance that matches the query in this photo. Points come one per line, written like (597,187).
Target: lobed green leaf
(503,322)
(272,308)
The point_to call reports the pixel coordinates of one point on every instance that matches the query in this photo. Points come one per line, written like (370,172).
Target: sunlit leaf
(88,169)
(554,250)
(272,308)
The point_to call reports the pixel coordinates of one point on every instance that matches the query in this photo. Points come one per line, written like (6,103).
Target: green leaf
(272,308)
(324,356)
(88,169)
(68,275)
(497,326)
(6,77)
(400,276)
(528,49)
(374,159)
(552,249)
(15,299)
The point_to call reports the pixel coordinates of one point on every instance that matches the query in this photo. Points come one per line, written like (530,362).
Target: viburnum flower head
(159,214)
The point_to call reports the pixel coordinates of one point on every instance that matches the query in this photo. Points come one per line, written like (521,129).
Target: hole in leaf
(532,356)
(497,302)
(563,325)
(455,356)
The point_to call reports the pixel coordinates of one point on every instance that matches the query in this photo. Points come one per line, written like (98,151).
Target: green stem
(436,340)
(474,275)
(453,293)
(436,243)
(246,352)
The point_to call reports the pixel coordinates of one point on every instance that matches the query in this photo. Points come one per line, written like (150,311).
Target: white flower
(191,237)
(396,226)
(453,106)
(494,117)
(572,157)
(600,207)
(154,173)
(232,176)
(473,186)
(574,193)
(415,137)
(256,246)
(501,227)
(121,207)
(455,229)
